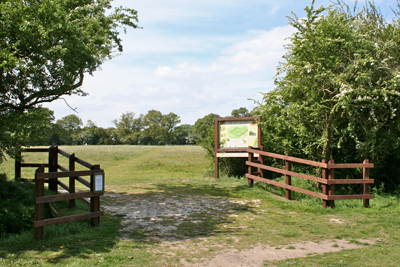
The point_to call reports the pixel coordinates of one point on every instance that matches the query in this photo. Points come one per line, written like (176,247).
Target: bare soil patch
(164,217)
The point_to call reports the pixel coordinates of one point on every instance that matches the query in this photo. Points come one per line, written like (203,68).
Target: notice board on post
(233,135)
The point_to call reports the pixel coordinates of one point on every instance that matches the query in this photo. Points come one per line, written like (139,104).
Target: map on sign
(238,134)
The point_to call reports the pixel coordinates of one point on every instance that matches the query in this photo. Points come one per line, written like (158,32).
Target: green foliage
(202,125)
(16,206)
(153,128)
(47,46)
(129,127)
(233,167)
(337,92)
(28,128)
(240,112)
(70,123)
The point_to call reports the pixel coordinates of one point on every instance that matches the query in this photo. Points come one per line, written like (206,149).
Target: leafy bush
(234,167)
(16,206)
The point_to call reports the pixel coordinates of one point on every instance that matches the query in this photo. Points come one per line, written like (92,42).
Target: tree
(183,134)
(28,128)
(46,48)
(169,123)
(240,112)
(129,128)
(70,123)
(202,125)
(337,91)
(153,131)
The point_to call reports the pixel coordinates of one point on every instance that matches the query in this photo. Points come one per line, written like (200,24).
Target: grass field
(161,210)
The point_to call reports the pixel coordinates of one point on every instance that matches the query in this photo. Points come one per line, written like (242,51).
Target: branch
(74,109)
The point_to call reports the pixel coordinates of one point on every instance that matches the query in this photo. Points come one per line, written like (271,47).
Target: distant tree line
(153,128)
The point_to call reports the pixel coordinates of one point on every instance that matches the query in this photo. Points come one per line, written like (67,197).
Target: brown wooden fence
(51,177)
(327,180)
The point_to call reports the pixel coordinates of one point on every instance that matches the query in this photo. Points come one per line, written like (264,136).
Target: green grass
(247,217)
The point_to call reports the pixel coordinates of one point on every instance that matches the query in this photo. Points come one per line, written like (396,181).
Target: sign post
(233,135)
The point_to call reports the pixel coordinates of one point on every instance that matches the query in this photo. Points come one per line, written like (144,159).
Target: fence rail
(51,177)
(327,180)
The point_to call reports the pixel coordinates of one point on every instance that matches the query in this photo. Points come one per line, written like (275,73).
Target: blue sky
(192,57)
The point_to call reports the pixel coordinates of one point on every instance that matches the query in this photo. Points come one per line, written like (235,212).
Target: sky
(192,58)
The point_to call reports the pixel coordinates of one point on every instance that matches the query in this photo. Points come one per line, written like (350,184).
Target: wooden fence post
(53,167)
(249,169)
(18,164)
(39,209)
(324,186)
(261,161)
(366,186)
(72,179)
(288,179)
(331,190)
(94,201)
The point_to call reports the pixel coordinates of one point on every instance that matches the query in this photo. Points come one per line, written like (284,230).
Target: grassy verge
(162,212)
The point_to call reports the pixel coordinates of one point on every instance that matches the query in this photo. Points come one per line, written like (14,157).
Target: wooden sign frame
(234,151)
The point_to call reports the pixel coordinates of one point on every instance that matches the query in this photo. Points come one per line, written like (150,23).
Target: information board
(238,134)
(233,136)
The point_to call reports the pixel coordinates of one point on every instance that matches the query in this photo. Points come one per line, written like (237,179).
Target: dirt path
(163,216)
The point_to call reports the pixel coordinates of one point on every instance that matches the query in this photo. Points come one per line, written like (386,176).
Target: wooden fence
(51,177)
(327,180)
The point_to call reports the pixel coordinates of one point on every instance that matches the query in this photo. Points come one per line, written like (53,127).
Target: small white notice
(99,182)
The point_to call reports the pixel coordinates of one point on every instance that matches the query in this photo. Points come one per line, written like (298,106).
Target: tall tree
(46,48)
(70,123)
(129,127)
(169,123)
(337,91)
(202,125)
(153,129)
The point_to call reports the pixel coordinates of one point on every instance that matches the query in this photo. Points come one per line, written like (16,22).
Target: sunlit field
(161,209)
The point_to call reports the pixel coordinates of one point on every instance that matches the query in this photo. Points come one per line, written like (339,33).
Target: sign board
(235,134)
(98,182)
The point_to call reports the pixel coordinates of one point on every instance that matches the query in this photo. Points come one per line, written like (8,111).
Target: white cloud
(257,54)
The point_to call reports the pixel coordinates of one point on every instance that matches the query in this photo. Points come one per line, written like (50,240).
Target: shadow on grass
(178,212)
(162,213)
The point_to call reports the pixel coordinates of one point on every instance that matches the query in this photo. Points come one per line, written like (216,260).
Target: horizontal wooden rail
(304,176)
(350,181)
(311,178)
(290,187)
(80,179)
(83,181)
(328,180)
(350,165)
(341,197)
(48,199)
(288,158)
(36,165)
(84,163)
(60,167)
(51,177)
(232,150)
(45,175)
(65,219)
(66,187)
(35,150)
(64,153)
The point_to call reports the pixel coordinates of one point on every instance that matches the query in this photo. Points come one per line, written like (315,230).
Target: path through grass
(162,212)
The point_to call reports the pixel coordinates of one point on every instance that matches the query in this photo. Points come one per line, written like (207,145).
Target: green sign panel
(238,134)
